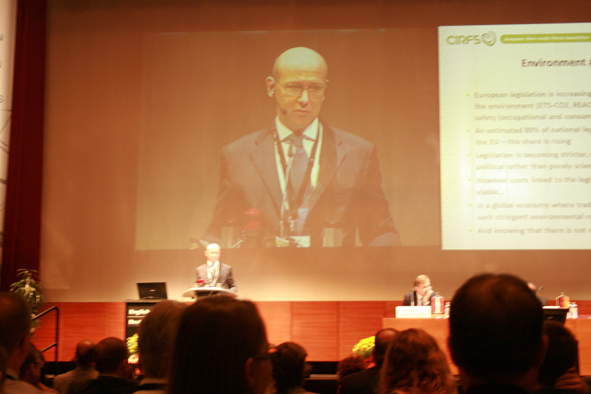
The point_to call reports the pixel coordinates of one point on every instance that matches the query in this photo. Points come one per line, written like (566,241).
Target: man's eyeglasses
(296,89)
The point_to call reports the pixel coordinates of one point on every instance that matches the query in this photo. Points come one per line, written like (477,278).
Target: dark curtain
(22,223)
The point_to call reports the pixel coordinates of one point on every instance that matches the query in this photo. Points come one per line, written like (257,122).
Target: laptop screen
(152,290)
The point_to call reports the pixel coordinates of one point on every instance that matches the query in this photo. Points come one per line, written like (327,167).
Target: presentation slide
(515,128)
(208,167)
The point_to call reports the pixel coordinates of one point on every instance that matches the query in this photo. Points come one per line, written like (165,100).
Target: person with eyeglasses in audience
(32,370)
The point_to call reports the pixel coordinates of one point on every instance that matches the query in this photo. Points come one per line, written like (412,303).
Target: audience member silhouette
(73,381)
(155,342)
(366,382)
(558,372)
(115,373)
(495,335)
(290,368)
(220,348)
(414,364)
(15,328)
(350,365)
(31,370)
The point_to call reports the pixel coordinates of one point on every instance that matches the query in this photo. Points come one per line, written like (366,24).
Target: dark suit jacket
(496,389)
(225,277)
(408,298)
(363,382)
(348,195)
(109,385)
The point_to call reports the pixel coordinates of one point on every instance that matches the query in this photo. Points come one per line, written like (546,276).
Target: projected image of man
(304,176)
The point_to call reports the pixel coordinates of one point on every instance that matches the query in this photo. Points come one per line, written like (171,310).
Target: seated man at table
(421,294)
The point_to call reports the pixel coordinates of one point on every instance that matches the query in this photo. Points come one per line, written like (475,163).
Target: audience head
(15,326)
(382,340)
(30,370)
(85,353)
(496,330)
(350,365)
(289,367)
(561,354)
(110,358)
(220,348)
(415,363)
(156,337)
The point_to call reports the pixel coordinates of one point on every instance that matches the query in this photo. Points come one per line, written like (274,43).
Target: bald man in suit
(301,174)
(214,272)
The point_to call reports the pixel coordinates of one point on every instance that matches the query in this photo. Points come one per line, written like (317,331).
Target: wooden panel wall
(328,330)
(80,321)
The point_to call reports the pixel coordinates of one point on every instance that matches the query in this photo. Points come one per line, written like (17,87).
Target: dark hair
(85,352)
(381,341)
(34,357)
(15,320)
(215,339)
(350,365)
(495,327)
(415,363)
(156,337)
(289,366)
(561,354)
(109,354)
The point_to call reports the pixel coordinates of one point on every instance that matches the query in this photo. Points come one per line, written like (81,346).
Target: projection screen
(142,100)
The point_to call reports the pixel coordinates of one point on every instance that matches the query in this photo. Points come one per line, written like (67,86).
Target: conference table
(438,328)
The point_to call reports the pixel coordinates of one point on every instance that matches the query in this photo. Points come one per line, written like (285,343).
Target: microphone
(413,295)
(539,289)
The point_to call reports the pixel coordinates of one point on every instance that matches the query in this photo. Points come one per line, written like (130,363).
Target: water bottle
(574,311)
(447,308)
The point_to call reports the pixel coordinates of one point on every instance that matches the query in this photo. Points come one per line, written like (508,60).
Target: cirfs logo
(489,38)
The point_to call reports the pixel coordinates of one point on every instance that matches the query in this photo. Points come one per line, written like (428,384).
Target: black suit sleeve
(376,225)
(230,282)
(406,301)
(230,205)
